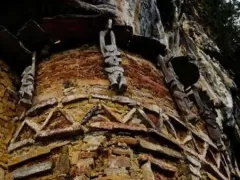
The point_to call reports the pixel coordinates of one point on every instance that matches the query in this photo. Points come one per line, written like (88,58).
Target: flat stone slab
(26,157)
(74,98)
(25,172)
(161,164)
(43,104)
(118,161)
(114,125)
(161,149)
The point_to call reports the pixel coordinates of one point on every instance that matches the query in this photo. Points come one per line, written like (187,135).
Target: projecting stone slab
(147,171)
(195,171)
(127,140)
(121,151)
(113,125)
(72,130)
(100,96)
(159,163)
(20,144)
(152,107)
(26,157)
(163,150)
(25,172)
(193,161)
(129,115)
(145,117)
(113,115)
(74,98)
(123,100)
(43,104)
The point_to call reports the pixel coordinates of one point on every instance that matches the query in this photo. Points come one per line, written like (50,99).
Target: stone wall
(79,129)
(7,112)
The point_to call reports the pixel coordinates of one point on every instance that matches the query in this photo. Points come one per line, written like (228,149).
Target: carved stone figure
(112,60)
(176,88)
(209,115)
(27,87)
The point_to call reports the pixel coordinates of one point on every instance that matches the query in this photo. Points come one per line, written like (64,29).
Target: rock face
(166,124)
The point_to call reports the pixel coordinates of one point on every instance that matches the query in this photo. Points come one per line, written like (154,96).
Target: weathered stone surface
(161,164)
(121,151)
(84,154)
(2,174)
(63,164)
(152,107)
(118,161)
(83,177)
(90,114)
(22,127)
(92,142)
(145,118)
(113,125)
(19,144)
(28,156)
(187,139)
(32,170)
(193,161)
(43,104)
(129,115)
(100,96)
(85,162)
(52,117)
(33,125)
(113,115)
(123,100)
(127,140)
(116,177)
(72,130)
(195,171)
(195,132)
(147,171)
(161,149)
(214,169)
(74,98)
(114,171)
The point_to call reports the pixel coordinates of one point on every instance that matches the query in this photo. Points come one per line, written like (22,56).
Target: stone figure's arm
(102,41)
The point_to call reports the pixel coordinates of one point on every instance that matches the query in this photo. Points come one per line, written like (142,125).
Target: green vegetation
(222,19)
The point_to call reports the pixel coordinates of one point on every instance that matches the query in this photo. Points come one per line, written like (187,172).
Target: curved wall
(78,128)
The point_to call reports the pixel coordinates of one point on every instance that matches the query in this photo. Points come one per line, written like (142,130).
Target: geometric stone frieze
(74,128)
(16,145)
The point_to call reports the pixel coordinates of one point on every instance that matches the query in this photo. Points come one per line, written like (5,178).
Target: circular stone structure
(78,128)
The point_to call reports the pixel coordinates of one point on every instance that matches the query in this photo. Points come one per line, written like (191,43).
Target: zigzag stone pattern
(85,131)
